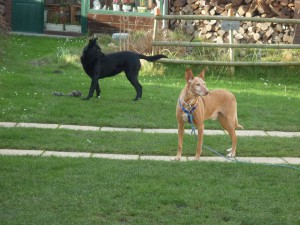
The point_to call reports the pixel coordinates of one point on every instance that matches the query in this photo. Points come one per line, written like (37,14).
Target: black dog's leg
(138,87)
(98,90)
(132,75)
(139,90)
(94,86)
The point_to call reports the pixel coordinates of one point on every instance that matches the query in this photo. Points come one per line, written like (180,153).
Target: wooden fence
(232,63)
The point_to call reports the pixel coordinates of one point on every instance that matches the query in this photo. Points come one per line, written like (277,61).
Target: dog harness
(189,114)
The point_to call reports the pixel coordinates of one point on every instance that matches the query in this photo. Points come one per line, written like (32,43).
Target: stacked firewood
(2,15)
(248,32)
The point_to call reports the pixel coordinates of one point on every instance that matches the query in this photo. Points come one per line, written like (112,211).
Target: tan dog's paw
(177,158)
(229,150)
(230,155)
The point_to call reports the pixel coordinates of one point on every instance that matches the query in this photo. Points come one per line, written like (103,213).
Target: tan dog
(196,100)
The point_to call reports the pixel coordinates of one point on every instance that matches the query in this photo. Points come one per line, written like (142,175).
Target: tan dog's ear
(189,74)
(202,74)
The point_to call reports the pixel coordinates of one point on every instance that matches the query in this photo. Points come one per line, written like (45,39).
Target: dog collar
(188,112)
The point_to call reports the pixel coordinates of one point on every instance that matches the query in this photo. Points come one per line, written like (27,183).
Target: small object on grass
(72,94)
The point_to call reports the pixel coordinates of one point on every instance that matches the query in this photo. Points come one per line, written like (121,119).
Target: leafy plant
(55,18)
(142,3)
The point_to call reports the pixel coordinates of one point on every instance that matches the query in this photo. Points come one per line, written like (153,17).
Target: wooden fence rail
(225,45)
(227,18)
(156,43)
(225,63)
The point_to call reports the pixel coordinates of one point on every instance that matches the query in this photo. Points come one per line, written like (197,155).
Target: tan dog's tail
(237,125)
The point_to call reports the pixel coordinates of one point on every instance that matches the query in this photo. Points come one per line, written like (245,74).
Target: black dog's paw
(86,98)
(136,99)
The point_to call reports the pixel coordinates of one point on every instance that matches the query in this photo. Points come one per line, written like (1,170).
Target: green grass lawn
(95,191)
(38,190)
(33,67)
(141,143)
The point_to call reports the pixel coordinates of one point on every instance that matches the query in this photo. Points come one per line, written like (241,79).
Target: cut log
(194,6)
(212,12)
(269,32)
(243,9)
(218,40)
(284,2)
(238,36)
(257,36)
(191,1)
(220,9)
(208,35)
(263,8)
(237,3)
(180,3)
(252,8)
(221,33)
(214,3)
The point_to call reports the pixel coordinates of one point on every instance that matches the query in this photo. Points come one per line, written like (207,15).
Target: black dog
(99,65)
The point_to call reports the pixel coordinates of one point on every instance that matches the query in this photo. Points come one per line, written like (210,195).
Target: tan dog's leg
(200,141)
(180,139)
(229,125)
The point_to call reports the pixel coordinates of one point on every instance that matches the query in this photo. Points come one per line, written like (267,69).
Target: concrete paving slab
(292,160)
(246,133)
(206,132)
(7,124)
(162,158)
(214,132)
(262,160)
(67,154)
(210,159)
(116,156)
(75,127)
(20,152)
(267,160)
(121,129)
(38,125)
(283,134)
(160,131)
(250,133)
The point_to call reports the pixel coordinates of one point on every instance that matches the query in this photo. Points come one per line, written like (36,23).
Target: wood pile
(3,25)
(248,32)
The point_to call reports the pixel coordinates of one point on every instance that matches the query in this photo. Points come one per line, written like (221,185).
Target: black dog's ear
(90,42)
(93,41)
(95,37)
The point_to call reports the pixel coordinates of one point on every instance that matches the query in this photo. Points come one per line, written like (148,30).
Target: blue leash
(237,161)
(190,115)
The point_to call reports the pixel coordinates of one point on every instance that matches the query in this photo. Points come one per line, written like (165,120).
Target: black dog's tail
(151,58)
